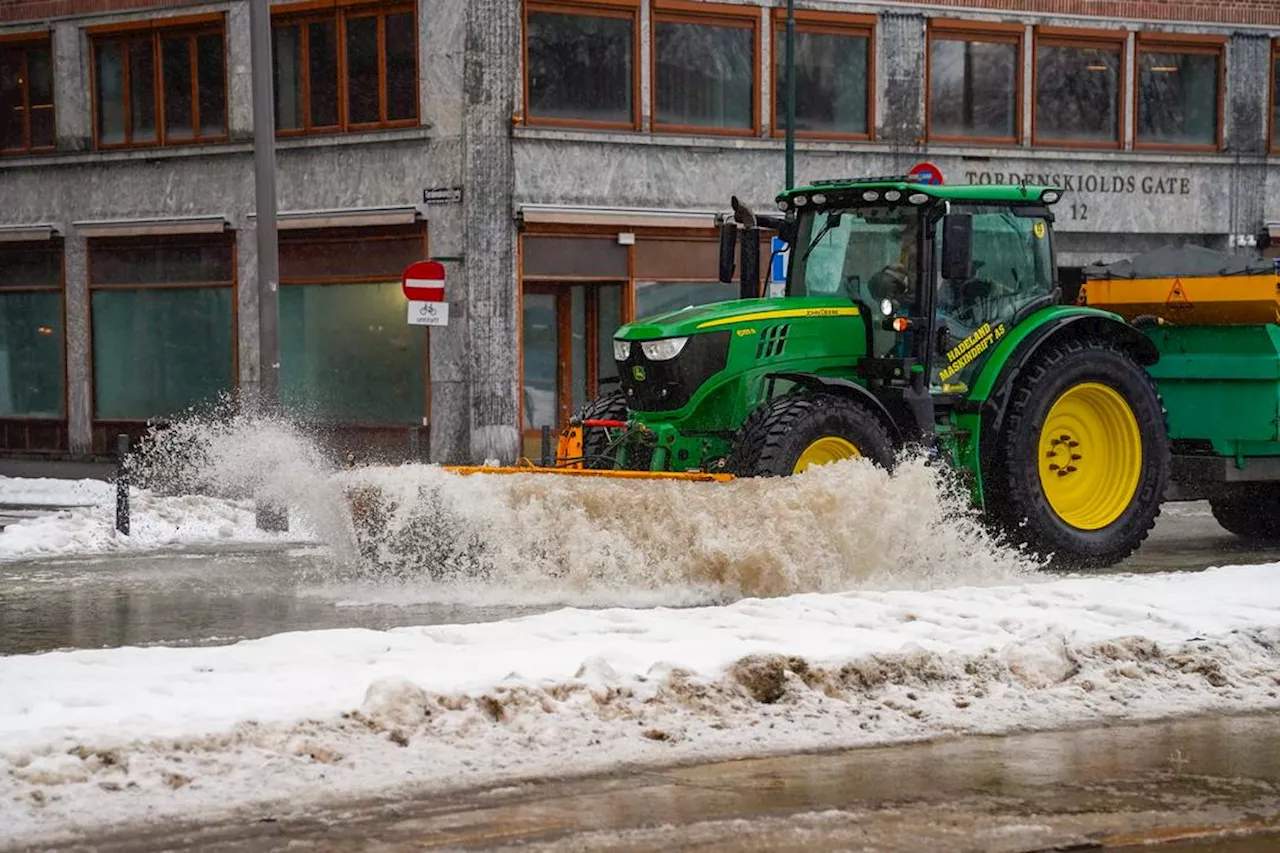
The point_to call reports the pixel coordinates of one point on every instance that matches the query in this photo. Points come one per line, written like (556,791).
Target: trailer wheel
(595,440)
(1250,514)
(800,431)
(1080,467)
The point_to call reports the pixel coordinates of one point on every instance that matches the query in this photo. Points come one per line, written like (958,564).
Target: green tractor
(924,316)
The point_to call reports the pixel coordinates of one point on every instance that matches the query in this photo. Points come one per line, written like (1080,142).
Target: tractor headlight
(886,307)
(664,349)
(621,350)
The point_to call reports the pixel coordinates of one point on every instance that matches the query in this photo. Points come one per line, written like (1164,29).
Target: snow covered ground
(93,737)
(82,516)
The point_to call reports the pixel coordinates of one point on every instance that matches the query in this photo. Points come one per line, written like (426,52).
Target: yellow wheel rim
(1090,456)
(829,448)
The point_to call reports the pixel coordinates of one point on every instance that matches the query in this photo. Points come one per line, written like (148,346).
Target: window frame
(706,14)
(950,29)
(56,244)
(100,243)
(304,14)
(24,42)
(1204,45)
(1088,39)
(156,31)
(617,9)
(827,23)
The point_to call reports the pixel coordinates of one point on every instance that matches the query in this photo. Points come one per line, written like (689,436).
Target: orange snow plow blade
(569,462)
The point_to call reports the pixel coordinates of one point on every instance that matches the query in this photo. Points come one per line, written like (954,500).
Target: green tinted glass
(348,353)
(31,355)
(157,352)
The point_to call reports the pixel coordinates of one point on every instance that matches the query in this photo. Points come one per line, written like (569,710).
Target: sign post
(423,286)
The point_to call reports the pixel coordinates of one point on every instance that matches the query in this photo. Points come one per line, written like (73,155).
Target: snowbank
(82,517)
(92,737)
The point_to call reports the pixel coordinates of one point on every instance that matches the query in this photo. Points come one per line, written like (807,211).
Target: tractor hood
(721,316)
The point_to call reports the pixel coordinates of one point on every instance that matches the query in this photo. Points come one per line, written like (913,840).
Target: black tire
(1016,500)
(611,406)
(771,440)
(1252,513)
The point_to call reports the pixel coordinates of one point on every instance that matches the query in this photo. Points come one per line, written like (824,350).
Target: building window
(580,65)
(1179,94)
(975,82)
(31,335)
(1079,87)
(834,86)
(705,69)
(163,325)
(160,87)
(26,98)
(347,355)
(347,69)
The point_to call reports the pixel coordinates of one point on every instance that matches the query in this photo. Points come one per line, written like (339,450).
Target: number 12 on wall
(1079,211)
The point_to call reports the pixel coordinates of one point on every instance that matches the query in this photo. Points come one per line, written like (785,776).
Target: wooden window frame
(1086,39)
(617,9)
(156,32)
(1180,43)
(828,23)
(990,33)
(706,14)
(25,43)
(60,288)
(98,243)
(302,15)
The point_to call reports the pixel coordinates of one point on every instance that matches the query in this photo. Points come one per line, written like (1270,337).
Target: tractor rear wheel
(611,406)
(1250,514)
(800,431)
(1079,469)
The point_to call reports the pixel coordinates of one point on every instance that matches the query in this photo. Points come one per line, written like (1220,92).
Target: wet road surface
(1199,784)
(227,596)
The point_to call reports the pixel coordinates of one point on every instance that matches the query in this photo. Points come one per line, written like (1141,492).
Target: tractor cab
(940,273)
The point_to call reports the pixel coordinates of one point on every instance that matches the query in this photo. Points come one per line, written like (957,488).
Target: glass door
(566,352)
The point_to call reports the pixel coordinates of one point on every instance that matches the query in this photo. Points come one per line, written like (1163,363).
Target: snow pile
(89,737)
(49,492)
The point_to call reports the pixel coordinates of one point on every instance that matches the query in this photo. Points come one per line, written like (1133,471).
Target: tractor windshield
(868,253)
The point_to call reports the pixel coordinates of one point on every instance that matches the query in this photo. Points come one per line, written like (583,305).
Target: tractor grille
(663,386)
(773,341)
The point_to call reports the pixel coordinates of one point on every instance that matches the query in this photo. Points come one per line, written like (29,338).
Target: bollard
(415,444)
(546,447)
(122,484)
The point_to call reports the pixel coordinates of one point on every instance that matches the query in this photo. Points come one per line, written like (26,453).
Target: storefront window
(163,329)
(1178,97)
(1078,89)
(705,72)
(659,297)
(580,67)
(31,335)
(833,74)
(347,353)
(974,86)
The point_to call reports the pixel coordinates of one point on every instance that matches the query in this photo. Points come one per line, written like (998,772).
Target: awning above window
(621,217)
(215,224)
(348,217)
(29,232)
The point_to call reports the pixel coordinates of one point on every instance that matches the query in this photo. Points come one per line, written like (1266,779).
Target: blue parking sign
(780,255)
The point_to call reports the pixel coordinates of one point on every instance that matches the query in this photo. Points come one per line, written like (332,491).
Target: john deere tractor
(930,316)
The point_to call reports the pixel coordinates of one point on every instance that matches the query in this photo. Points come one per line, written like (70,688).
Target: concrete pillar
(247,307)
(489,237)
(646,65)
(239,73)
(900,95)
(73,114)
(79,363)
(1248,93)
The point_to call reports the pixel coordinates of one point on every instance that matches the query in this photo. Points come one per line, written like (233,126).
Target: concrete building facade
(564,160)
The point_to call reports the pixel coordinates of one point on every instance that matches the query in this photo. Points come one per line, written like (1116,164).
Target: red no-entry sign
(424,282)
(926,173)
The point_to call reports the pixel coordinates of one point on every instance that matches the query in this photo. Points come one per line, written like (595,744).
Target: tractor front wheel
(1080,467)
(800,431)
(1250,514)
(611,406)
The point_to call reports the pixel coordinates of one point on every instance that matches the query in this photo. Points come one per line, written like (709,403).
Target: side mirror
(787,231)
(1264,239)
(728,249)
(957,246)
(750,273)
